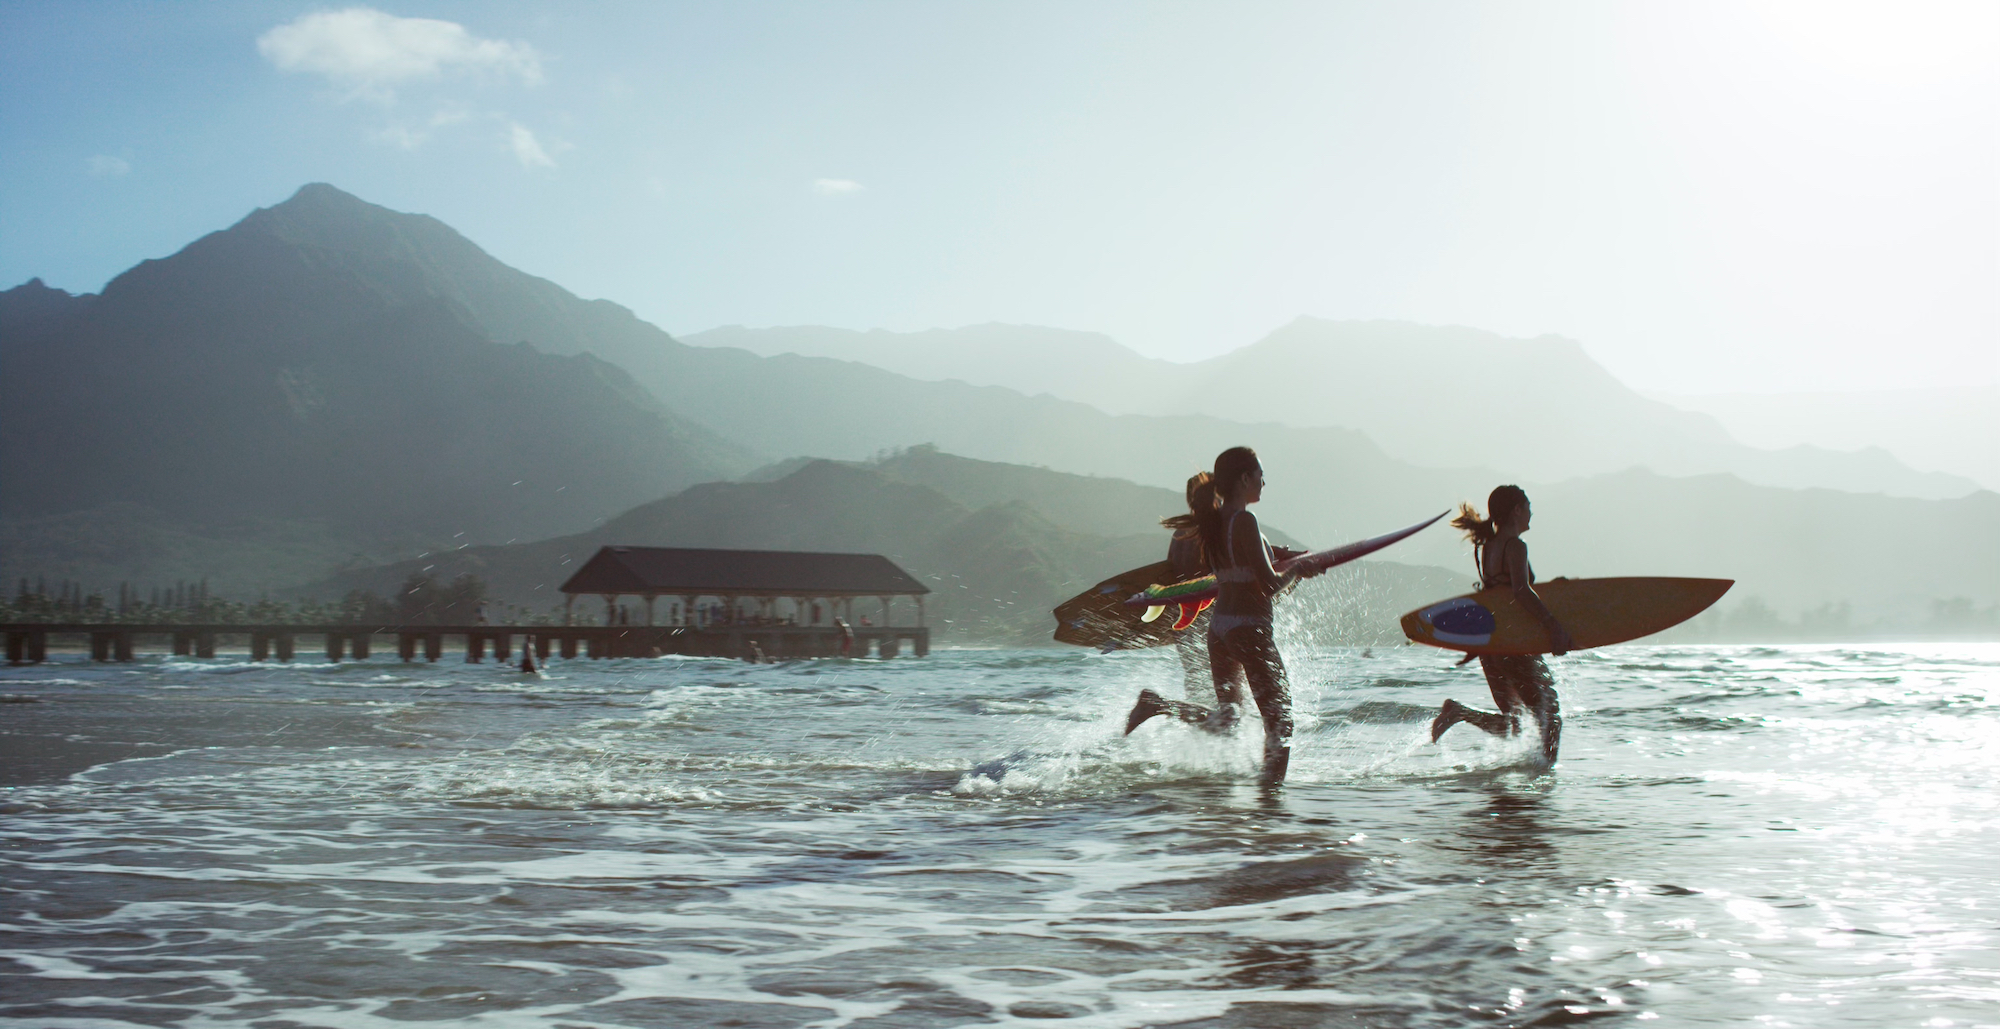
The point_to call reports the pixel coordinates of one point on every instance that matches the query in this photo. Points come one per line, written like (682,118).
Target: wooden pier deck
(28,643)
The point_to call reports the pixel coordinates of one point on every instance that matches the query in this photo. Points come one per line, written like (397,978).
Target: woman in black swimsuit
(1520,683)
(1241,650)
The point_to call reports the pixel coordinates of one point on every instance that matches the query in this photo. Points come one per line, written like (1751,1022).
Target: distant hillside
(128,542)
(1030,359)
(1087,504)
(1408,387)
(1949,430)
(996,571)
(997,568)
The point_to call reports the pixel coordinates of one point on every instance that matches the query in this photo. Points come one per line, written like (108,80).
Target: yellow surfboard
(1597,613)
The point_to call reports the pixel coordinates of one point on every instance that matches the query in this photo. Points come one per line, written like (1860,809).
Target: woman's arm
(1516,558)
(1246,546)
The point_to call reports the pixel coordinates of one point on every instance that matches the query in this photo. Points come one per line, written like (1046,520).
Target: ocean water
(1772,836)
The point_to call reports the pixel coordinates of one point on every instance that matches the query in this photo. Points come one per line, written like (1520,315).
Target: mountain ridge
(1397,382)
(298,367)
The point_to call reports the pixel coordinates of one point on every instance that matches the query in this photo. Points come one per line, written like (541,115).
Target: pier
(28,643)
(751,605)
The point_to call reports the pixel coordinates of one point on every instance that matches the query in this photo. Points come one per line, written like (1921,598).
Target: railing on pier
(28,642)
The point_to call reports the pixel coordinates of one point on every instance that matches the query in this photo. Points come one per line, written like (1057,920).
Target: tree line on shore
(421,600)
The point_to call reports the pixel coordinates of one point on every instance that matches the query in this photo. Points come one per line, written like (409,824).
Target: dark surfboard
(1098,617)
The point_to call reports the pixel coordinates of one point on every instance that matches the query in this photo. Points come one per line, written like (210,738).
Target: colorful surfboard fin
(1189,612)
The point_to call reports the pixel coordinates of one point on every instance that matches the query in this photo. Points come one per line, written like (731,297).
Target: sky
(1710,197)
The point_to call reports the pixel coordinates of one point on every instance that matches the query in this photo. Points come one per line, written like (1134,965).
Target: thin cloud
(527,149)
(411,135)
(103,166)
(401,136)
(369,52)
(836,187)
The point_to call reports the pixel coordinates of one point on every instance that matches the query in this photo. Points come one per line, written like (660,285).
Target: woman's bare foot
(1149,704)
(1449,715)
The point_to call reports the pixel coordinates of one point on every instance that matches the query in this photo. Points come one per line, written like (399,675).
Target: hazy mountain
(1409,387)
(1945,430)
(1031,359)
(998,566)
(1091,505)
(330,360)
(1794,548)
(312,363)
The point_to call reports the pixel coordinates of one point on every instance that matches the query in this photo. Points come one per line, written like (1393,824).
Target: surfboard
(1597,613)
(1194,594)
(1098,617)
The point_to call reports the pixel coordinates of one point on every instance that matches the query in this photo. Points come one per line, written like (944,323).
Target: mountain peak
(322,215)
(36,302)
(36,287)
(322,200)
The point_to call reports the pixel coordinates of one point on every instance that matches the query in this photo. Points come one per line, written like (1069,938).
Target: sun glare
(1940,38)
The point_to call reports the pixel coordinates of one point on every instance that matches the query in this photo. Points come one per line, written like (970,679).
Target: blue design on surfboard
(1460,620)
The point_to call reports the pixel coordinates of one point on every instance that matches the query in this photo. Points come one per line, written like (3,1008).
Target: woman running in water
(1520,683)
(1186,561)
(1241,649)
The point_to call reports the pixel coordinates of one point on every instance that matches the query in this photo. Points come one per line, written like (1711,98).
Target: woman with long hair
(1185,561)
(1520,683)
(1241,649)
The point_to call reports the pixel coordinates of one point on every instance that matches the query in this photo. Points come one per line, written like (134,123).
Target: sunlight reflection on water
(1789,835)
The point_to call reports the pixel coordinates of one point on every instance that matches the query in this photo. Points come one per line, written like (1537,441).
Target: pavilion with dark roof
(776,602)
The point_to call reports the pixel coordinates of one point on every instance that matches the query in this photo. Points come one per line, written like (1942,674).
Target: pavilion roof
(778,573)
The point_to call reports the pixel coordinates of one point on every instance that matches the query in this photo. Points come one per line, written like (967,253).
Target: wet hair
(1200,497)
(1500,507)
(1230,467)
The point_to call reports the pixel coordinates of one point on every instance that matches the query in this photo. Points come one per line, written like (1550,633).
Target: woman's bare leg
(1520,685)
(1225,673)
(1151,703)
(1454,712)
(1254,656)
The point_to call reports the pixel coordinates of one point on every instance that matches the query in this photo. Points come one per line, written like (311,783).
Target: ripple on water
(1785,834)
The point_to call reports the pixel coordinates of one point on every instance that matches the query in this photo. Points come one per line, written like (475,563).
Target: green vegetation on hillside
(420,600)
